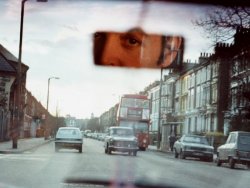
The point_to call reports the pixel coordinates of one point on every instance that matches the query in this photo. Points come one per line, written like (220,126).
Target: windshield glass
(178,68)
(198,140)
(122,132)
(139,127)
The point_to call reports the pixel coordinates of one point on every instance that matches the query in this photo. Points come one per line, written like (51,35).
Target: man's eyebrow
(136,30)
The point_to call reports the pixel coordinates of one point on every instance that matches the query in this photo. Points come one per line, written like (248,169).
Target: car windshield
(139,127)
(197,140)
(151,70)
(122,132)
(67,132)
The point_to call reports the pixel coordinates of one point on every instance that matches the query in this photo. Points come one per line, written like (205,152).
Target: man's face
(130,49)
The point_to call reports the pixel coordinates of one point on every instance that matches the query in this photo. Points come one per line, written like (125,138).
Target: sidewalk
(154,148)
(22,145)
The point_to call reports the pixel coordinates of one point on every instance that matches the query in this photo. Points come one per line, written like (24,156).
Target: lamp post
(47,107)
(19,80)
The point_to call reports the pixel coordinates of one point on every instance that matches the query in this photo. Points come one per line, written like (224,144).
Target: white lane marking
(11,157)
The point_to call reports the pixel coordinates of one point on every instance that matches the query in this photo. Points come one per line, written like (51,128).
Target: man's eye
(133,41)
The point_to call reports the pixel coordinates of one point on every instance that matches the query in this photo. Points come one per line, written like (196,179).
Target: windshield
(197,140)
(157,70)
(121,132)
(139,127)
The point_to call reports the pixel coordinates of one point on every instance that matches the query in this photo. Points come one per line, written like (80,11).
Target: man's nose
(112,52)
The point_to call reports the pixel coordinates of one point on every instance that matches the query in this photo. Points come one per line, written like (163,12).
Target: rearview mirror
(137,49)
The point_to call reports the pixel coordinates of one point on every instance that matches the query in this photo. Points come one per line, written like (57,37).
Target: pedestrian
(172,139)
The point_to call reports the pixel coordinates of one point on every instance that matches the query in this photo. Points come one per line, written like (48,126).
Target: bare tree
(221,23)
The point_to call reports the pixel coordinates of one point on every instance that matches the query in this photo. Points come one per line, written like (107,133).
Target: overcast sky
(57,42)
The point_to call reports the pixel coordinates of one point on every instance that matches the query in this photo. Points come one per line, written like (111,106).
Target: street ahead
(43,167)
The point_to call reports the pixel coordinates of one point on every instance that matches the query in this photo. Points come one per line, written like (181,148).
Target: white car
(235,150)
(193,146)
(69,137)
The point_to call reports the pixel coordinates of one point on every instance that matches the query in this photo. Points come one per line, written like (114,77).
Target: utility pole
(159,113)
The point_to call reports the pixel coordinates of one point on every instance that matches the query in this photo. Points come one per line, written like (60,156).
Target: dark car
(69,137)
(193,146)
(121,139)
(235,150)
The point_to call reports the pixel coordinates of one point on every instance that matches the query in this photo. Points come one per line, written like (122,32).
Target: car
(236,150)
(69,137)
(121,139)
(193,146)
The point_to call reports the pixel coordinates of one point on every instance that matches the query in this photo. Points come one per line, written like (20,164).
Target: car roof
(121,128)
(194,135)
(76,128)
(240,132)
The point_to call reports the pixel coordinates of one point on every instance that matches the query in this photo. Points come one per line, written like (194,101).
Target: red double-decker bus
(133,111)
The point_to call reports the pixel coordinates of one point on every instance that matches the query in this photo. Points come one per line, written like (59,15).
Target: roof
(5,66)
(11,59)
(68,128)
(9,56)
(135,96)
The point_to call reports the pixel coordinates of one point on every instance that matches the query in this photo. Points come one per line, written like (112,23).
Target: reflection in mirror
(135,48)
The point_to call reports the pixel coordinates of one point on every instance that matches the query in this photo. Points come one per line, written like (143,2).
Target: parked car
(193,146)
(235,150)
(121,139)
(69,137)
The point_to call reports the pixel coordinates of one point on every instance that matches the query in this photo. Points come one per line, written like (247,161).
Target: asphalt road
(43,167)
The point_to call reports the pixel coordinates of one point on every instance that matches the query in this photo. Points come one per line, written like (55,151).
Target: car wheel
(109,151)
(175,153)
(106,149)
(248,165)
(80,149)
(182,156)
(231,163)
(218,161)
(135,153)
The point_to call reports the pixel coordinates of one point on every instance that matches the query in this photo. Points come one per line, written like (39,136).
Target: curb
(24,150)
(160,151)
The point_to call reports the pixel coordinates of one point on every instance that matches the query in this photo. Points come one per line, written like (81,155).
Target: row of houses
(30,120)
(208,97)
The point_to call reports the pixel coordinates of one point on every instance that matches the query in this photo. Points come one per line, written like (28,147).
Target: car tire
(248,165)
(218,161)
(182,156)
(80,149)
(231,163)
(135,153)
(106,149)
(175,154)
(109,151)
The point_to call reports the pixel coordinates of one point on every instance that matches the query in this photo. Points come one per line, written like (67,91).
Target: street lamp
(47,107)
(19,80)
